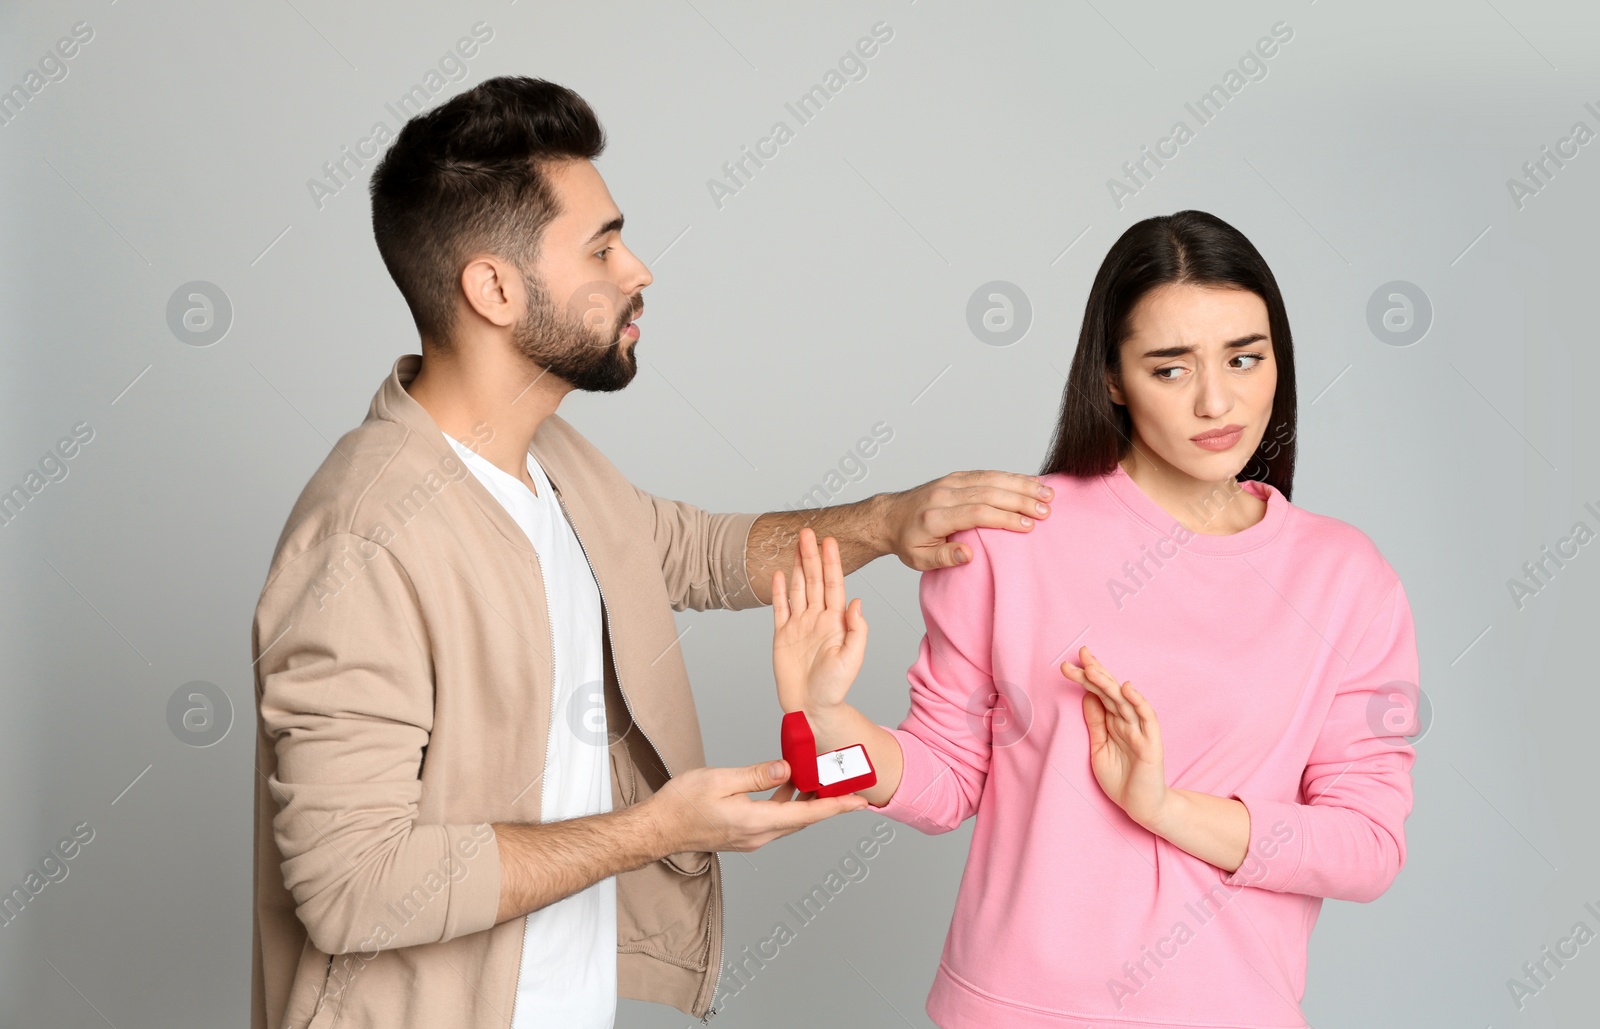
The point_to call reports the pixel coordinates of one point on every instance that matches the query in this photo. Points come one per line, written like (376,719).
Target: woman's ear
(1114,387)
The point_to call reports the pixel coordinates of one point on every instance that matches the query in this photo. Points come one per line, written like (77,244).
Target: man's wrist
(879,515)
(651,820)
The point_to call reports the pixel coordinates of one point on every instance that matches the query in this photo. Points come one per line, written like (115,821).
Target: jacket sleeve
(1347,841)
(702,554)
(946,739)
(345,696)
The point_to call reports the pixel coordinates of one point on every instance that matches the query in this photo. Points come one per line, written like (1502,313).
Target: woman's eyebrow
(1180,350)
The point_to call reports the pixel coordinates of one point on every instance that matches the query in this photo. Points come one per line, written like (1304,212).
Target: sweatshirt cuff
(912,797)
(1276,848)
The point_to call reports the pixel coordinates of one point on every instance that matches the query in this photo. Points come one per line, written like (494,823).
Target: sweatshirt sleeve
(945,740)
(1347,841)
(702,554)
(345,698)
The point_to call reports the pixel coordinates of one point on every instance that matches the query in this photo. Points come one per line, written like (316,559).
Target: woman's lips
(1224,438)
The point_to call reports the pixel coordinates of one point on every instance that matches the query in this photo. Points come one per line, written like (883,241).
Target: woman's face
(1198,359)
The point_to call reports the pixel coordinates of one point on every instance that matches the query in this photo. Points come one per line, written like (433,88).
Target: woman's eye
(602,254)
(1159,373)
(1249,357)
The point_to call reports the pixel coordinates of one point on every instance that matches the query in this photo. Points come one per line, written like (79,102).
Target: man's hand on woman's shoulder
(919,521)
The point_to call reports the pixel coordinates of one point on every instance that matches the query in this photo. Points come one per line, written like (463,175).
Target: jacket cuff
(1276,848)
(475,897)
(736,592)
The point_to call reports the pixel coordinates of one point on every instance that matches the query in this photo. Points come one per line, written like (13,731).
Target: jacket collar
(393,403)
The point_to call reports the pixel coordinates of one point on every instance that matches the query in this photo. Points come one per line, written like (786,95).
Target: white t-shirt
(568,977)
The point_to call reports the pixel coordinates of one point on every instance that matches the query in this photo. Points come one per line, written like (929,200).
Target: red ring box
(833,774)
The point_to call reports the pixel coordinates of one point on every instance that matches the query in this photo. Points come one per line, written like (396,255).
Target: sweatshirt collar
(1143,508)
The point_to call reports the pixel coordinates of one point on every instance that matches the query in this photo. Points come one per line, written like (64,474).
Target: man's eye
(602,254)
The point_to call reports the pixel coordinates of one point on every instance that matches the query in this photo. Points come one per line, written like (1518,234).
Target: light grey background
(828,295)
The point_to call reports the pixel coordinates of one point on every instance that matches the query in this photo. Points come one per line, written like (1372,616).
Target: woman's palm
(1125,750)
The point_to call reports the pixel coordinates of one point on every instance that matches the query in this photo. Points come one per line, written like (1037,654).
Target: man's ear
(493,289)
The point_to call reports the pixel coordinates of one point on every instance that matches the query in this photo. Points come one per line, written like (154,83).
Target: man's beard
(583,344)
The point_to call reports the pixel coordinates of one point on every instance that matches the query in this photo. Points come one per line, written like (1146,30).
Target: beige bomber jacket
(403,675)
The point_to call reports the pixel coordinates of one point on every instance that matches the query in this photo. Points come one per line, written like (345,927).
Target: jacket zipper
(712,1010)
(549,740)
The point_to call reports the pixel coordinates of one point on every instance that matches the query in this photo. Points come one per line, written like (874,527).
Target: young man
(482,798)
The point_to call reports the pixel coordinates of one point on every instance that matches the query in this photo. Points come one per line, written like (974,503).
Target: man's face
(585,288)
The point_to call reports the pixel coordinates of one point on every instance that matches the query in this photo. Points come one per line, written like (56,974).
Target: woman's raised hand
(818,643)
(1124,740)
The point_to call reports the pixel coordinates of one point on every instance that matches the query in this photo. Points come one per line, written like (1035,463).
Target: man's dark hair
(1093,433)
(468,177)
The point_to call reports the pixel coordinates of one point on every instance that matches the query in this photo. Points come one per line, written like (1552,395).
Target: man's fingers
(799,814)
(945,555)
(1026,488)
(761,777)
(994,511)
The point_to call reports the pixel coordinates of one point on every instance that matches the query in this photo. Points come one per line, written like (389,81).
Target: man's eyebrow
(1179,351)
(614,225)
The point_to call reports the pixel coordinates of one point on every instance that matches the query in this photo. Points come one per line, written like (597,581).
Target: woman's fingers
(855,634)
(1094,716)
(780,602)
(1147,714)
(813,566)
(1123,716)
(832,575)
(816,581)
(1079,676)
(1108,683)
(797,587)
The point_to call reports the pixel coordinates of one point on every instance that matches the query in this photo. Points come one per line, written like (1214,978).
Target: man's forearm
(542,862)
(775,535)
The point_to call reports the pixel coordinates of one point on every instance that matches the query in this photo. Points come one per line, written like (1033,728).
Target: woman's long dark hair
(1193,247)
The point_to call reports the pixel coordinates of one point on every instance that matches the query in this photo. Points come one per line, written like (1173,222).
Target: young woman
(1152,847)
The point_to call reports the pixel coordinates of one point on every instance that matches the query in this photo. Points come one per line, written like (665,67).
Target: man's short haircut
(469,177)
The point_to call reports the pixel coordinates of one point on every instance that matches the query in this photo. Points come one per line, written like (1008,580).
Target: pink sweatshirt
(1281,662)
